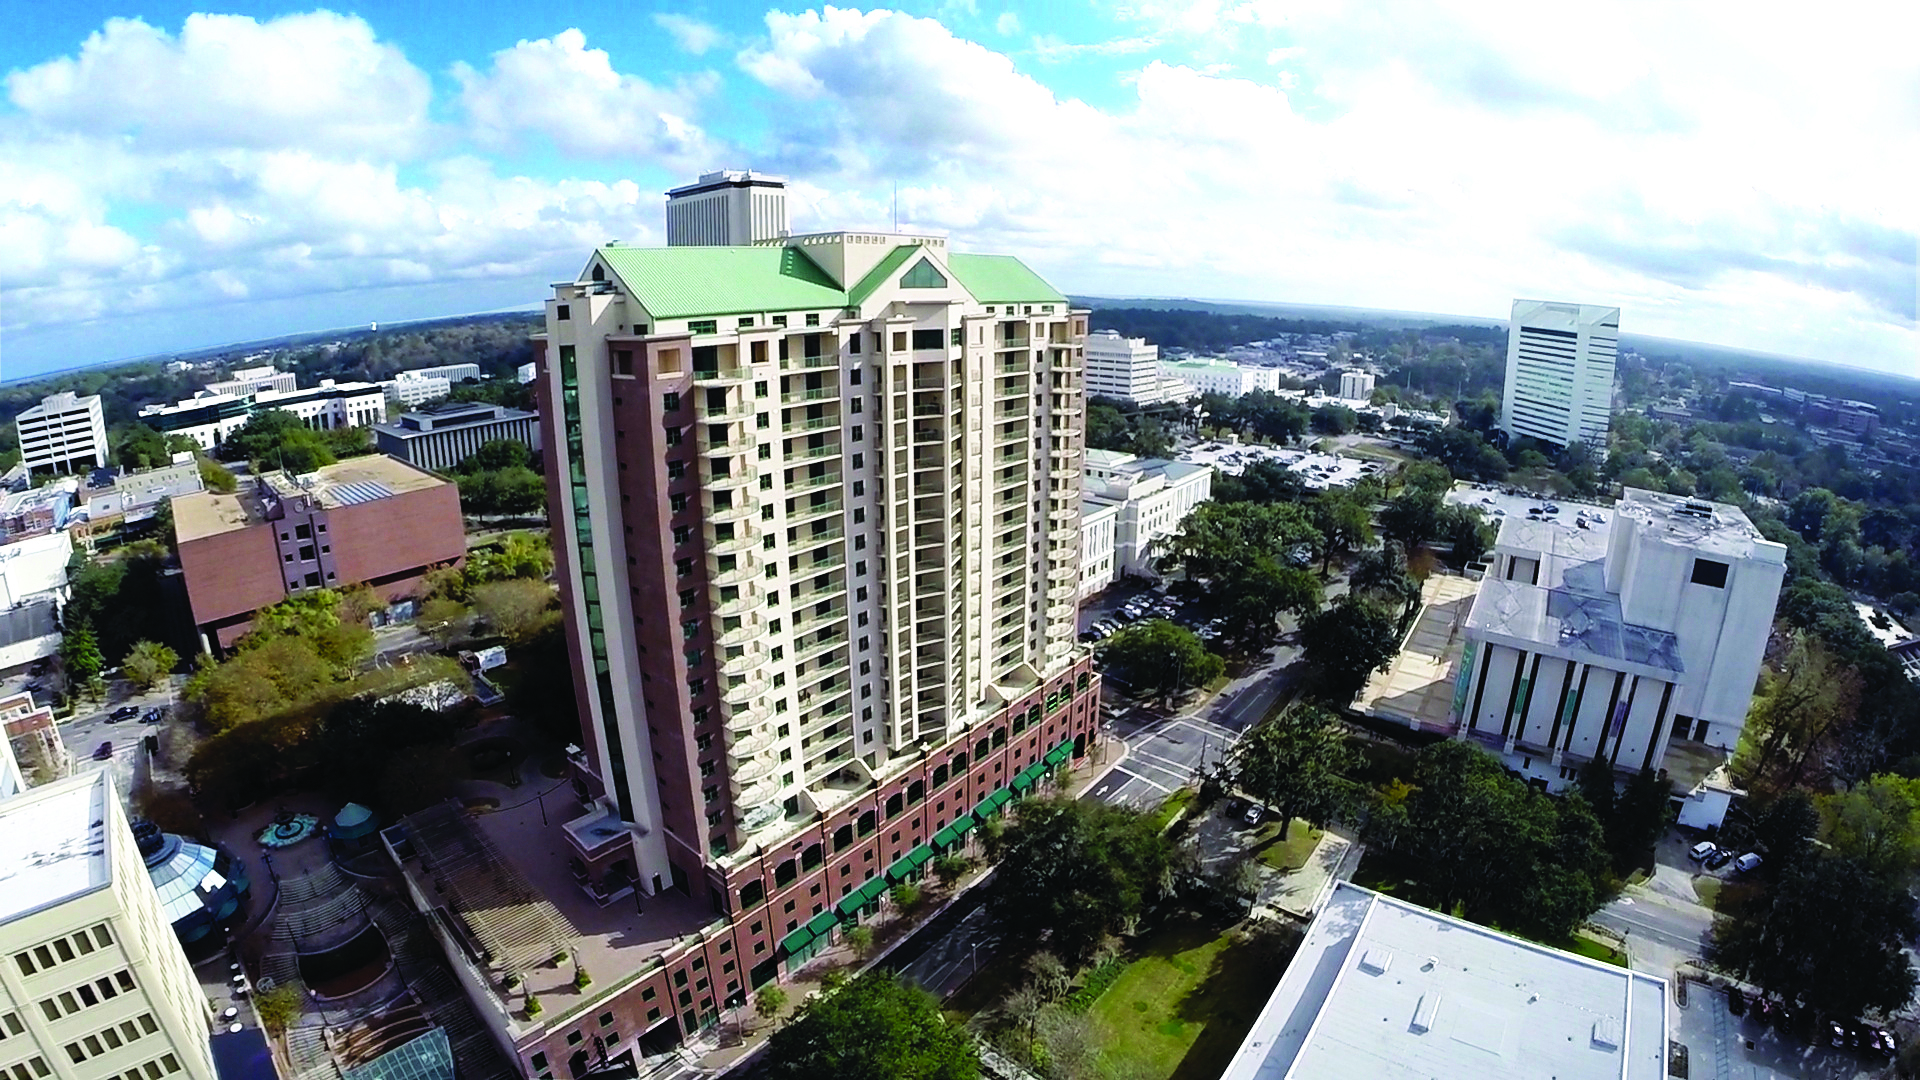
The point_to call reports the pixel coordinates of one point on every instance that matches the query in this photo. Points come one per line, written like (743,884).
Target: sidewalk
(1299,893)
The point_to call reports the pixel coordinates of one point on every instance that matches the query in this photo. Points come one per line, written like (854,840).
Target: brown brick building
(368,519)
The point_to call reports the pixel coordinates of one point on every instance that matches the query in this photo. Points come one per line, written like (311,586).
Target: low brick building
(369,519)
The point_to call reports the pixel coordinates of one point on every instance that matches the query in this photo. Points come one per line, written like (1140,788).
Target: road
(1647,920)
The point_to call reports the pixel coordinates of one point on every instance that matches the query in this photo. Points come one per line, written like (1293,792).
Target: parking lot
(1722,1045)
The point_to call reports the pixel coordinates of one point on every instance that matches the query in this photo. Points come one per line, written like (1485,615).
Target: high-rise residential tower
(1560,372)
(816,508)
(728,207)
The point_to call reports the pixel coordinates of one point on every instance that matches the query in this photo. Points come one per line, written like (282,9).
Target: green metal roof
(1022,781)
(686,282)
(881,272)
(1002,279)
(1059,753)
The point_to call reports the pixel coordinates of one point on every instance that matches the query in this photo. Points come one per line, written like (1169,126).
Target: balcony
(801,453)
(806,363)
(763,791)
(733,412)
(810,620)
(746,772)
(812,511)
(1020,341)
(746,691)
(754,742)
(741,574)
(746,536)
(749,631)
(834,587)
(1065,535)
(1060,593)
(929,433)
(809,483)
(804,397)
(731,481)
(738,510)
(806,652)
(924,383)
(811,539)
(816,423)
(729,375)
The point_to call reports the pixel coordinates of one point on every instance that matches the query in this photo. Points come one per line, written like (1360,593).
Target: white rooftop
(1387,990)
(53,843)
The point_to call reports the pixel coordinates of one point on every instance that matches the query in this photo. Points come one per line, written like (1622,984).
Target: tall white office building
(1560,372)
(64,433)
(727,208)
(1129,369)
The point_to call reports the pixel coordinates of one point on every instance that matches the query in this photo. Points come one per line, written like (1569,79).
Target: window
(858,434)
(673,436)
(923,276)
(779,320)
(563,312)
(813,318)
(926,339)
(676,469)
(745,323)
(703,326)
(670,402)
(1710,572)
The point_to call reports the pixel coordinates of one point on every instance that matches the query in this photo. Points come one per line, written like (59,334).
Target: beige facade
(64,433)
(94,985)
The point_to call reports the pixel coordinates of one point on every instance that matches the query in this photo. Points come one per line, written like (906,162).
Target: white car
(1702,851)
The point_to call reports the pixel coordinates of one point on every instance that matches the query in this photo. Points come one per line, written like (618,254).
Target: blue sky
(176,176)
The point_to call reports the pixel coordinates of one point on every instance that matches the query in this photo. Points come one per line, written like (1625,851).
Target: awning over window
(1060,753)
(822,923)
(991,804)
(962,827)
(944,839)
(1022,782)
(908,863)
(874,889)
(849,904)
(799,939)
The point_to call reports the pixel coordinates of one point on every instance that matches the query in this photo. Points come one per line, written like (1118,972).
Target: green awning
(900,869)
(1000,798)
(962,827)
(850,903)
(1022,781)
(1059,753)
(822,923)
(1037,770)
(985,807)
(874,889)
(944,838)
(799,939)
(920,856)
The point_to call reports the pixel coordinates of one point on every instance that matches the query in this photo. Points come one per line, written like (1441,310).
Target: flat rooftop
(53,843)
(1713,528)
(1418,686)
(508,882)
(344,483)
(1387,990)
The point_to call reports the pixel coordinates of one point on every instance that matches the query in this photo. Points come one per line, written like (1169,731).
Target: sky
(173,177)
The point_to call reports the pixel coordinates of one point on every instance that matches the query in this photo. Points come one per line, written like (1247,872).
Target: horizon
(440,159)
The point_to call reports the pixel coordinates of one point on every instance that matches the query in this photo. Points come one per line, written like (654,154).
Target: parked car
(1702,851)
(153,716)
(103,751)
(1718,859)
(1747,864)
(124,712)
(1253,815)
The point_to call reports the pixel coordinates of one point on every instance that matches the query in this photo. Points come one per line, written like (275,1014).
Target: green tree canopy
(1876,824)
(1160,657)
(148,664)
(80,653)
(1218,536)
(1070,873)
(1348,641)
(1795,718)
(873,1028)
(1296,763)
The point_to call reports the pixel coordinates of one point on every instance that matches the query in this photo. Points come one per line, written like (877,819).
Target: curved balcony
(749,689)
(761,792)
(741,510)
(1063,535)
(744,720)
(1059,612)
(1060,594)
(754,742)
(752,769)
(746,633)
(745,538)
(742,573)
(733,481)
(1063,574)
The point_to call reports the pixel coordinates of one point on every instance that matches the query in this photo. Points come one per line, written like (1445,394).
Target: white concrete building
(35,569)
(64,433)
(444,435)
(206,418)
(1150,498)
(1098,522)
(410,389)
(453,373)
(331,404)
(1356,385)
(1388,990)
(1128,369)
(524,374)
(95,986)
(728,207)
(1560,361)
(1635,634)
(1222,376)
(247,382)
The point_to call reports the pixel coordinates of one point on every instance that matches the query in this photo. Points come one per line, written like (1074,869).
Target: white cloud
(559,88)
(1382,167)
(1050,49)
(689,33)
(1007,25)
(316,80)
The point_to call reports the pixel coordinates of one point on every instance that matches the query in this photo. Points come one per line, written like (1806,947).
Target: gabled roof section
(882,273)
(688,282)
(1002,279)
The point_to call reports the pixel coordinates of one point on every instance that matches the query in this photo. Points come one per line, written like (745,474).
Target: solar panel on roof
(359,491)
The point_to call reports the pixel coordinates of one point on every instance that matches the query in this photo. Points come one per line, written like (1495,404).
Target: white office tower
(64,433)
(95,986)
(727,208)
(1560,372)
(1356,385)
(1129,369)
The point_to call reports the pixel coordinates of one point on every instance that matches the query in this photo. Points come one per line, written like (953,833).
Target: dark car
(153,716)
(1718,859)
(103,751)
(124,712)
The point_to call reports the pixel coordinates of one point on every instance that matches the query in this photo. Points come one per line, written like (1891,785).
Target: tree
(1828,934)
(1251,597)
(951,868)
(1785,830)
(278,1008)
(1797,713)
(905,895)
(516,610)
(1637,820)
(1412,518)
(80,654)
(1466,529)
(874,1028)
(148,664)
(769,1001)
(1048,975)
(520,555)
(216,476)
(859,939)
(1160,657)
(1876,824)
(443,619)
(1296,764)
(1071,873)
(1217,536)
(496,454)
(1345,524)
(1347,642)
(142,447)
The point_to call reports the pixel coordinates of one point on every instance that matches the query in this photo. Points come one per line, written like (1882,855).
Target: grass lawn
(1593,950)
(1171,807)
(1707,888)
(1290,854)
(1370,452)
(1180,1010)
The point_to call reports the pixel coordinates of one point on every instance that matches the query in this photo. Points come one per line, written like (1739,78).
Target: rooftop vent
(1423,1013)
(1375,961)
(1695,508)
(1606,1033)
